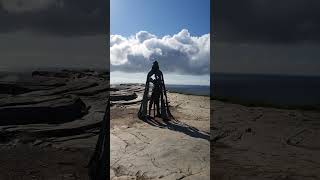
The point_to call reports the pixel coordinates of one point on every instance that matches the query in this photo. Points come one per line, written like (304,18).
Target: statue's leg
(151,103)
(154,111)
(150,106)
(158,106)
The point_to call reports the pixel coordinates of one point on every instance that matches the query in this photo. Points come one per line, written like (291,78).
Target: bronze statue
(158,98)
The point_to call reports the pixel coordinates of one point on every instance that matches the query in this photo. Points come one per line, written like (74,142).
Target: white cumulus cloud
(180,53)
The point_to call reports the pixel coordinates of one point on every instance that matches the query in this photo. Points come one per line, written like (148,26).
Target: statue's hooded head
(155,65)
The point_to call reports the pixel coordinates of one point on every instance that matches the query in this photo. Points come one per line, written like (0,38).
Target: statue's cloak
(164,104)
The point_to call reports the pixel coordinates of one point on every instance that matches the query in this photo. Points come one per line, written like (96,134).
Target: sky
(260,36)
(40,34)
(37,34)
(266,37)
(176,33)
(159,17)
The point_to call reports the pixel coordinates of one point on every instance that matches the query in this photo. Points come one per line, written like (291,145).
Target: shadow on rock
(178,126)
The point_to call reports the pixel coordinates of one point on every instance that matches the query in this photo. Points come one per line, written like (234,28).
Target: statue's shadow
(177,126)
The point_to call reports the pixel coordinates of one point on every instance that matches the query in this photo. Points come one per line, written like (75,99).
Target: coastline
(267,105)
(313,107)
(169,86)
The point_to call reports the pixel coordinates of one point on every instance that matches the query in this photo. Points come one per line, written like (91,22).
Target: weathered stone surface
(11,88)
(158,154)
(55,110)
(103,87)
(56,133)
(35,162)
(137,100)
(62,74)
(30,84)
(71,86)
(59,112)
(26,100)
(281,144)
(154,149)
(122,95)
(140,150)
(126,94)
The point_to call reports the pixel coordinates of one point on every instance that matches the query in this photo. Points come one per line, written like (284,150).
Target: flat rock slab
(128,87)
(156,153)
(122,95)
(55,110)
(33,84)
(91,91)
(77,127)
(72,86)
(264,143)
(11,88)
(128,102)
(26,100)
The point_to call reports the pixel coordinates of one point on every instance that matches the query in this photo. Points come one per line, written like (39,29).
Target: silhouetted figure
(158,97)
(156,90)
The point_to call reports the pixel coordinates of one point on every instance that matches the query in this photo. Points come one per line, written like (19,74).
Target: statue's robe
(164,104)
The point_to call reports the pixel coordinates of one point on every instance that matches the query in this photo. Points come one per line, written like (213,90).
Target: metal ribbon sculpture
(158,97)
(99,161)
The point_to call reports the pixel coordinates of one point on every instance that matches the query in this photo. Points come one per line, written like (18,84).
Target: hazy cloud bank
(54,17)
(267,21)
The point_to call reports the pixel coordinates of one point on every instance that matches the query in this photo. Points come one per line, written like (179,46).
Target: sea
(269,89)
(250,88)
(199,90)
(278,90)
